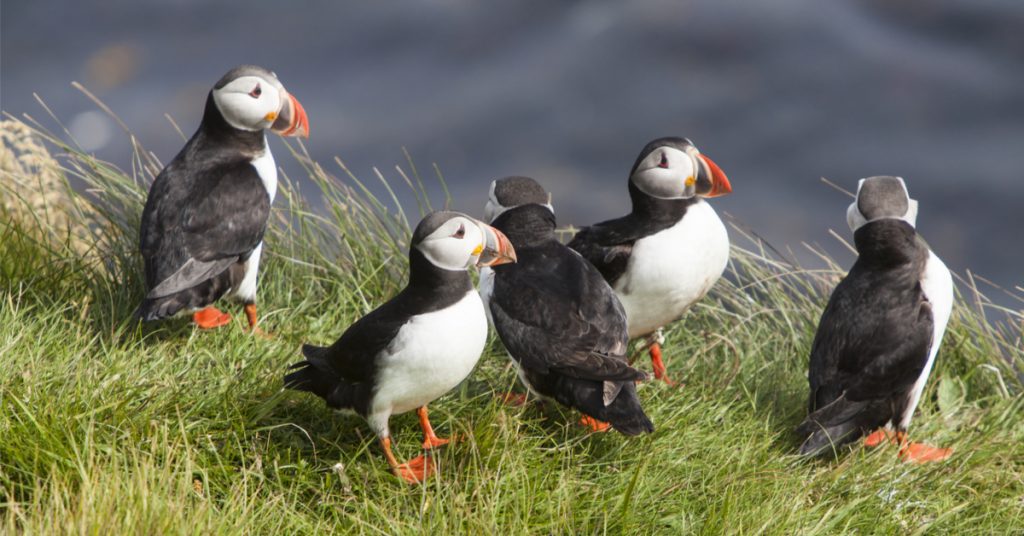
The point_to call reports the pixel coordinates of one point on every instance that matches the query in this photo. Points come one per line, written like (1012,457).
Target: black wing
(873,339)
(192,235)
(561,317)
(607,246)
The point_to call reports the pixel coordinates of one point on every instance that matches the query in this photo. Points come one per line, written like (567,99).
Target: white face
(668,173)
(250,102)
(455,245)
(856,220)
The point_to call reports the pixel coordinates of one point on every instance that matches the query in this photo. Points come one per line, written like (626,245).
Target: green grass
(106,428)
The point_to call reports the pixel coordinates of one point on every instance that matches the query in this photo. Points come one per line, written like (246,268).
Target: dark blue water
(778,93)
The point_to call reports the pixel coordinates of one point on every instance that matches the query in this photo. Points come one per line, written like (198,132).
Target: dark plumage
(563,325)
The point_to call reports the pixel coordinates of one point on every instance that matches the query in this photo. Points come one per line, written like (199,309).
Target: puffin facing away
(878,337)
(559,320)
(417,346)
(203,224)
(671,249)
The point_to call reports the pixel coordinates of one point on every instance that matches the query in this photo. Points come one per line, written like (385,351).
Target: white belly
(670,270)
(267,170)
(937,285)
(246,291)
(429,356)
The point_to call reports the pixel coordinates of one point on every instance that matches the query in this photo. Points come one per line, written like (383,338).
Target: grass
(109,428)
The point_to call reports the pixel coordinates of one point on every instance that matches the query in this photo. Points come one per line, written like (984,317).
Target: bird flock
(566,313)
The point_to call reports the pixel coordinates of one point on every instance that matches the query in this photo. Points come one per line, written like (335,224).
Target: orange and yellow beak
(497,248)
(719,182)
(291,120)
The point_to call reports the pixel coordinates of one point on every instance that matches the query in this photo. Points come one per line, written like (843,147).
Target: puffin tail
(839,423)
(625,413)
(308,376)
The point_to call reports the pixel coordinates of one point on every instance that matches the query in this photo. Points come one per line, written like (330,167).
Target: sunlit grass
(109,428)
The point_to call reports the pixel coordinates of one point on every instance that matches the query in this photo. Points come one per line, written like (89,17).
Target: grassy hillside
(107,428)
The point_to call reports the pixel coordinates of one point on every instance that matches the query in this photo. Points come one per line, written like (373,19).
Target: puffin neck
(215,126)
(888,242)
(648,207)
(424,275)
(527,224)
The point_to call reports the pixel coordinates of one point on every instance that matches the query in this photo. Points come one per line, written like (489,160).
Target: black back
(873,339)
(562,323)
(208,206)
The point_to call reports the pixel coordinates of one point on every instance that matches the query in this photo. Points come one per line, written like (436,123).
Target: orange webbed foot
(921,453)
(594,425)
(416,470)
(435,442)
(660,372)
(210,318)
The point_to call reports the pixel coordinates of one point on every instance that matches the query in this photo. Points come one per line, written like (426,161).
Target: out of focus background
(778,93)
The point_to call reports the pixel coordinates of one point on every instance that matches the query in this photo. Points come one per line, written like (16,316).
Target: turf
(109,428)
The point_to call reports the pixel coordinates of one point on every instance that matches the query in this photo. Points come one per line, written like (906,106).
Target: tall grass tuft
(108,427)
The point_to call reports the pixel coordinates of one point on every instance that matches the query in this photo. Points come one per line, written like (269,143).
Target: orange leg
(250,315)
(430,441)
(660,373)
(210,318)
(594,424)
(414,471)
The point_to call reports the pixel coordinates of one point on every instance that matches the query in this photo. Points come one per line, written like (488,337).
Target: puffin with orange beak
(417,346)
(671,249)
(202,227)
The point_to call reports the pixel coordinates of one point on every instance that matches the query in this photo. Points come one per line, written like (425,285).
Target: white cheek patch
(241,110)
(448,252)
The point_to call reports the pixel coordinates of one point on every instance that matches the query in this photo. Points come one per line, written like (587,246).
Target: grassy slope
(105,428)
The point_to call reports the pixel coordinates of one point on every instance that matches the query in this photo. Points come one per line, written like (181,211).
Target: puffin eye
(664,161)
(461,233)
(256,92)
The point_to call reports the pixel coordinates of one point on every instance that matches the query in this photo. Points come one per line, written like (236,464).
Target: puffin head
(880,198)
(252,98)
(455,241)
(510,192)
(673,168)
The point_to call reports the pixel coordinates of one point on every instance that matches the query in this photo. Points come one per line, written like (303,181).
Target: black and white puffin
(203,224)
(878,337)
(559,320)
(417,346)
(671,249)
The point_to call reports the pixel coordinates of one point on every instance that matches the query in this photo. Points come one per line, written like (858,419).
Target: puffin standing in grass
(202,227)
(417,346)
(878,337)
(671,249)
(559,320)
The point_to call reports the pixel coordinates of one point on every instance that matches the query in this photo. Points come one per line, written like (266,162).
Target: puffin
(669,251)
(201,234)
(557,317)
(880,332)
(417,346)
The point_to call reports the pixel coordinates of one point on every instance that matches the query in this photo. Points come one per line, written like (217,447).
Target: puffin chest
(431,354)
(266,168)
(671,269)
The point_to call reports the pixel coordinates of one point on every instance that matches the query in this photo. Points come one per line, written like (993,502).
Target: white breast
(430,355)
(267,170)
(670,270)
(937,284)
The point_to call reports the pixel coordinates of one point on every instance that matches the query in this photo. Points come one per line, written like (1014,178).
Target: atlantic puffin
(417,346)
(671,248)
(202,227)
(559,320)
(880,332)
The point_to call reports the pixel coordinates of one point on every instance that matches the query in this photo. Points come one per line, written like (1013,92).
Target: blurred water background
(779,93)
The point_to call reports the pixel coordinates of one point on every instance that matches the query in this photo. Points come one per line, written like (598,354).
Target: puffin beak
(291,120)
(496,248)
(719,182)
